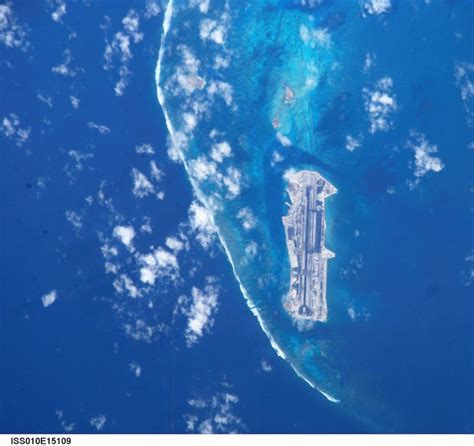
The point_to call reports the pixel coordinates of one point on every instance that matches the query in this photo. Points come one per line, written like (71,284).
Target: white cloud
(187,74)
(146,149)
(233,182)
(202,223)
(160,263)
(251,250)
(102,129)
(213,30)
(203,5)
(369,61)
(424,161)
(202,169)
(140,331)
(220,151)
(135,369)
(141,184)
(215,415)
(221,61)
(247,218)
(469,273)
(12,34)
(59,11)
(156,173)
(200,310)
(276,158)
(266,367)
(283,139)
(352,143)
(376,7)
(78,159)
(75,102)
(222,89)
(67,427)
(75,219)
(125,234)
(380,103)
(98,422)
(65,68)
(174,244)
(49,298)
(146,226)
(315,37)
(48,100)
(131,23)
(464,77)
(357,315)
(124,285)
(119,49)
(152,9)
(11,129)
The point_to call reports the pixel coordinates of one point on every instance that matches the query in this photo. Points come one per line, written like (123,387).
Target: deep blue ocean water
(401,362)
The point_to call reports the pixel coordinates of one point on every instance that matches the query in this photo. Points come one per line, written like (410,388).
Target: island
(305,229)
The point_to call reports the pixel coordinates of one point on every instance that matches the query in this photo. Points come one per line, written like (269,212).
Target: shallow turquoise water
(384,230)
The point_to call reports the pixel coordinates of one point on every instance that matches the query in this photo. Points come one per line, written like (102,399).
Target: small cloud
(376,7)
(124,285)
(380,103)
(464,77)
(102,129)
(119,49)
(98,422)
(202,224)
(64,69)
(369,62)
(48,100)
(59,10)
(200,310)
(158,264)
(222,90)
(67,427)
(146,226)
(220,151)
(315,37)
(277,157)
(469,272)
(266,367)
(49,298)
(141,331)
(135,369)
(146,149)
(247,218)
(352,143)
(203,5)
(283,139)
(214,30)
(152,9)
(142,186)
(12,129)
(357,315)
(214,415)
(424,161)
(174,244)
(75,102)
(125,234)
(12,34)
(75,219)
(232,181)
